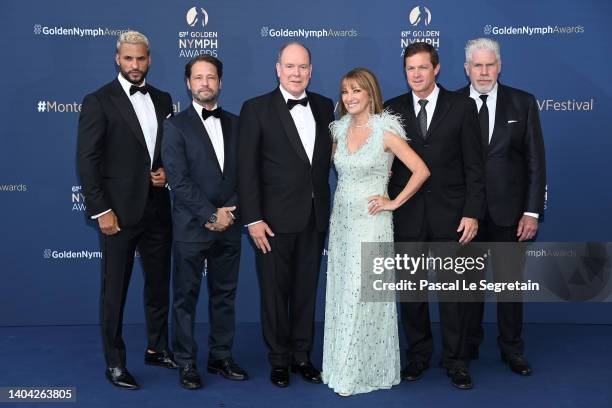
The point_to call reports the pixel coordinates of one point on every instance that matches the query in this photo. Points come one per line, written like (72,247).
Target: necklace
(364,125)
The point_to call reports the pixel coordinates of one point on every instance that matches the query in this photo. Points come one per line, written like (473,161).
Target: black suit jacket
(276,182)
(199,186)
(514,159)
(452,151)
(112,156)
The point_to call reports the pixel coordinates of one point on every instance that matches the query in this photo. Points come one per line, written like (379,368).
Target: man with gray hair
(515,184)
(124,183)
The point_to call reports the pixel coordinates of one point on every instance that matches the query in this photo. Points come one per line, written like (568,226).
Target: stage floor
(572,368)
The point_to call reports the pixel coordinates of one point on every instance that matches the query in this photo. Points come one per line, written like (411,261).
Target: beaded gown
(361,346)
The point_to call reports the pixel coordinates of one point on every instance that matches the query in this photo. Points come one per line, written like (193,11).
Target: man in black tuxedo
(119,162)
(199,152)
(284,154)
(515,184)
(444,132)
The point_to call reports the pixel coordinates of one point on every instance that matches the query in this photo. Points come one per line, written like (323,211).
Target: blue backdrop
(55,53)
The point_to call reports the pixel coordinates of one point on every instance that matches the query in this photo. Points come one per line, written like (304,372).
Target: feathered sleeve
(393,123)
(339,127)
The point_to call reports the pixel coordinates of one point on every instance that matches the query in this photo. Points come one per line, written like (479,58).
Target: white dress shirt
(145,111)
(304,122)
(432,100)
(491,106)
(215,133)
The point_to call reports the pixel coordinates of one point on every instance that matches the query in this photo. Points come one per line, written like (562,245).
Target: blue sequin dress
(361,347)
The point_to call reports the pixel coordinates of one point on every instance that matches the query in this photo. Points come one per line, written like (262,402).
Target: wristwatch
(213,218)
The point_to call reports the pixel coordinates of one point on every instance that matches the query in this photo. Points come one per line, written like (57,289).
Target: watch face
(213,218)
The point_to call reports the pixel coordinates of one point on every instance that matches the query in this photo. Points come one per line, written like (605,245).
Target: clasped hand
(225,219)
(158,177)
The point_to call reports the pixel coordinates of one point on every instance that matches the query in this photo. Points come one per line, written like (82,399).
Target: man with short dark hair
(199,152)
(284,154)
(444,132)
(515,184)
(124,183)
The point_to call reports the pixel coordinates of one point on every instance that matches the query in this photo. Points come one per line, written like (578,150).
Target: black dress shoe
(228,369)
(308,372)
(460,378)
(280,377)
(190,377)
(414,370)
(518,364)
(163,358)
(120,377)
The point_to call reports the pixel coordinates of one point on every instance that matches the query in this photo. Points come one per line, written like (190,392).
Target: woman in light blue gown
(361,346)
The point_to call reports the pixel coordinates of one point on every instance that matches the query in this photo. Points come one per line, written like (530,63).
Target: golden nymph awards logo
(420,18)
(194,43)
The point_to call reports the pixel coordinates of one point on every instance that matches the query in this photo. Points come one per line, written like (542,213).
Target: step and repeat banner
(56,52)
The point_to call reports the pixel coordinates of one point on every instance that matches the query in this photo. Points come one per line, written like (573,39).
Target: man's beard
(126,75)
(484,89)
(206,100)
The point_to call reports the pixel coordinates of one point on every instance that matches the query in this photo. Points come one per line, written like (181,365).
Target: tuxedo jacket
(112,156)
(452,151)
(199,185)
(276,181)
(514,158)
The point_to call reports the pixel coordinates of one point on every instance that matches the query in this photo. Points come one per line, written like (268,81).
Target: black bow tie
(144,89)
(292,102)
(208,113)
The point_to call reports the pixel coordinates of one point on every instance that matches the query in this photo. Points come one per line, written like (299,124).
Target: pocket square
(168,115)
(512,121)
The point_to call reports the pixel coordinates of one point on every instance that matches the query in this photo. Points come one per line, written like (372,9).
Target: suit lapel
(501,106)
(442,108)
(160,123)
(321,131)
(199,130)
(126,110)
(289,125)
(226,129)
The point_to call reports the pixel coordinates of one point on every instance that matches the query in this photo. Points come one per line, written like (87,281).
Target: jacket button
(425,145)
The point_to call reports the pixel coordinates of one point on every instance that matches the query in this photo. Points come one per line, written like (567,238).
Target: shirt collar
(432,97)
(126,85)
(287,95)
(492,93)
